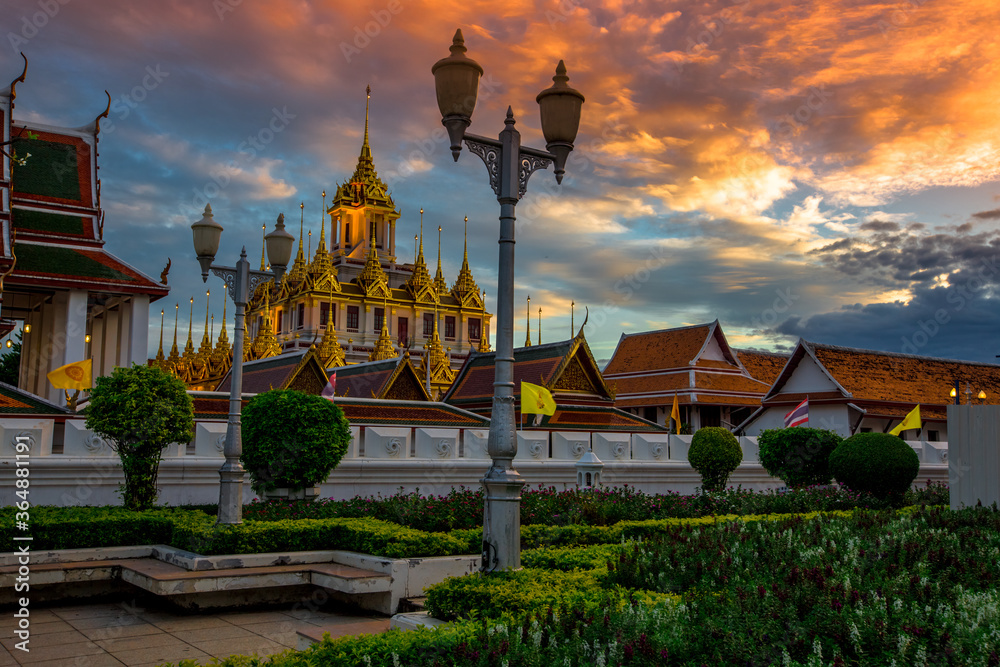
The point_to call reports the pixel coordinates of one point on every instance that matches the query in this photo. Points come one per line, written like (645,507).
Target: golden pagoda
(355,281)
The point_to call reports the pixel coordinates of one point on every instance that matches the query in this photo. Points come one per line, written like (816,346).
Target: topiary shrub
(139,411)
(292,440)
(714,453)
(877,463)
(798,456)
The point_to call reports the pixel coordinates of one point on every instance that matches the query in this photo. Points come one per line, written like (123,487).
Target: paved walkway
(103,635)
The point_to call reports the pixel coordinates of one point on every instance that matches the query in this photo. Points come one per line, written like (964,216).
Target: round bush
(877,463)
(714,453)
(292,440)
(798,456)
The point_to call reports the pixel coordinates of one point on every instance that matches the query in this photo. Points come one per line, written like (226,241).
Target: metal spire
(527,321)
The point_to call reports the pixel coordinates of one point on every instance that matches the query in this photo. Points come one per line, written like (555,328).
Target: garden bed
(910,587)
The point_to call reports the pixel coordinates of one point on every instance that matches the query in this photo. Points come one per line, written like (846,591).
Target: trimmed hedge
(877,463)
(715,453)
(798,456)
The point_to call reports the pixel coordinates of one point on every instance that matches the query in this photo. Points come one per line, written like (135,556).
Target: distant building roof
(14,401)
(695,363)
(389,378)
(298,370)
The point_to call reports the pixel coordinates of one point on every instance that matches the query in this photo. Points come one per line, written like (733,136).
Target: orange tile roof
(763,366)
(900,378)
(651,350)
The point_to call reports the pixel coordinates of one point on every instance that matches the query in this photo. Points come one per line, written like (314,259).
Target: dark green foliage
(714,453)
(292,440)
(10,362)
(139,411)
(877,463)
(798,456)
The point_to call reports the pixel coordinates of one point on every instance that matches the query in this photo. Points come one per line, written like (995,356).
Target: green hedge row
(193,530)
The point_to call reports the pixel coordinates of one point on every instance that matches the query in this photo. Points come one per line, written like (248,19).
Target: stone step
(407,605)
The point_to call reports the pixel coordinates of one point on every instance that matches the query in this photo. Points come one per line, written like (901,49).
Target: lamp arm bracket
(229,275)
(489,150)
(530,161)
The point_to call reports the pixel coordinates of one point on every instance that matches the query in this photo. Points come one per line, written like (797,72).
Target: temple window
(379,318)
(428,324)
(475,328)
(352,318)
(449,326)
(302,316)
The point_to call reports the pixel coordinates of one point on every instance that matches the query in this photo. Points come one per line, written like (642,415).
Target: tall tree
(10,362)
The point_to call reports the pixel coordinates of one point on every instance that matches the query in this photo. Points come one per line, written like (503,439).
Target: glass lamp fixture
(456,81)
(560,108)
(279,248)
(207,233)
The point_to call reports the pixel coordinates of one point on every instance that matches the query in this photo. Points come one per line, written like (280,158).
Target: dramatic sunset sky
(828,169)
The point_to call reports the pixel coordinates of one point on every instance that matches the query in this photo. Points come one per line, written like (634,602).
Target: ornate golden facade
(356,302)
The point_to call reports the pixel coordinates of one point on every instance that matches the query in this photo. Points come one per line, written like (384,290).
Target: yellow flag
(675,414)
(536,400)
(76,375)
(911,420)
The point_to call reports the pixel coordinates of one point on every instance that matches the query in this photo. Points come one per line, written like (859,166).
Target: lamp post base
(502,520)
(230,494)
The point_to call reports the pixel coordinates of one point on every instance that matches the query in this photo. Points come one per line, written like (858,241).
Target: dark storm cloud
(988,215)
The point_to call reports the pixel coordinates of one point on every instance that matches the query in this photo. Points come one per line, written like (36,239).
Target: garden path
(116,634)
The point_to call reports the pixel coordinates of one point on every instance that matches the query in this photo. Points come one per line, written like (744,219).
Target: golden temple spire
(331,354)
(434,365)
(440,284)
(206,340)
(465,290)
(174,356)
(572,306)
(527,321)
(420,279)
(189,348)
(263,229)
(384,349)
(484,338)
(539,326)
(298,271)
(159,352)
(372,275)
(322,262)
(264,343)
(222,347)
(366,151)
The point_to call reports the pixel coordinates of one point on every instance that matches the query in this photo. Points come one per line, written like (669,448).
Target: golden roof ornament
(174,355)
(189,348)
(372,278)
(263,244)
(484,337)
(264,343)
(527,322)
(440,284)
(364,186)
(419,283)
(384,349)
(206,340)
(330,352)
(466,291)
(322,264)
(222,349)
(298,272)
(160,360)
(435,361)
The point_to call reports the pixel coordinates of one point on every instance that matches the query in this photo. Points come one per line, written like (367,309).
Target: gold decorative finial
(527,321)
(572,328)
(159,351)
(539,326)
(263,232)
(440,284)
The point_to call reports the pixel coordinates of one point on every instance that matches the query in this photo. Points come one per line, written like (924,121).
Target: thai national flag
(330,388)
(798,416)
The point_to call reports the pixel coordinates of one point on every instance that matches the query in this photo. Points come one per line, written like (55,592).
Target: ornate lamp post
(241,282)
(509,164)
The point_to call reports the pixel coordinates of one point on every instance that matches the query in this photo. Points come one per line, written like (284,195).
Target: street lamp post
(509,165)
(241,283)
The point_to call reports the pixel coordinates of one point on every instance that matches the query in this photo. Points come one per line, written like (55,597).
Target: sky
(825,169)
